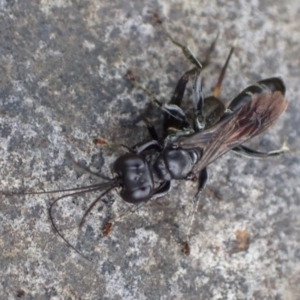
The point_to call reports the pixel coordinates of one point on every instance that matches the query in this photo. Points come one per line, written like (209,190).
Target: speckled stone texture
(62,84)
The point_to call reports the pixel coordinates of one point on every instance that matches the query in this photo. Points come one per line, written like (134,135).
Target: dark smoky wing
(234,129)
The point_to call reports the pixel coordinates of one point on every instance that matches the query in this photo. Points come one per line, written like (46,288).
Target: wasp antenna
(95,188)
(83,189)
(56,228)
(93,204)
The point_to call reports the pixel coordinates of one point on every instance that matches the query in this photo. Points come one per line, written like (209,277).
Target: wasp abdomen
(267,85)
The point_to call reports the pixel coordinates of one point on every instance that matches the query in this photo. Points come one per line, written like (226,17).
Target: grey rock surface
(62,84)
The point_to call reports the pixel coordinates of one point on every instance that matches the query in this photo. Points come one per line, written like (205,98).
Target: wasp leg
(198,99)
(152,97)
(173,110)
(217,88)
(210,50)
(186,51)
(180,87)
(162,190)
(142,147)
(190,56)
(171,122)
(107,227)
(151,128)
(202,180)
(251,153)
(209,110)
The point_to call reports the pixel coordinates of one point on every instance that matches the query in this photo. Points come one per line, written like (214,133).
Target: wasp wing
(235,128)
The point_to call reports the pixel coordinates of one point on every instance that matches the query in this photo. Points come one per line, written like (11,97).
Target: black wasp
(185,148)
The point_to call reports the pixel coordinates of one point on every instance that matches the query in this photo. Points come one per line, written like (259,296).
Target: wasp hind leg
(171,109)
(189,54)
(177,120)
(209,110)
(186,51)
(151,129)
(252,153)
